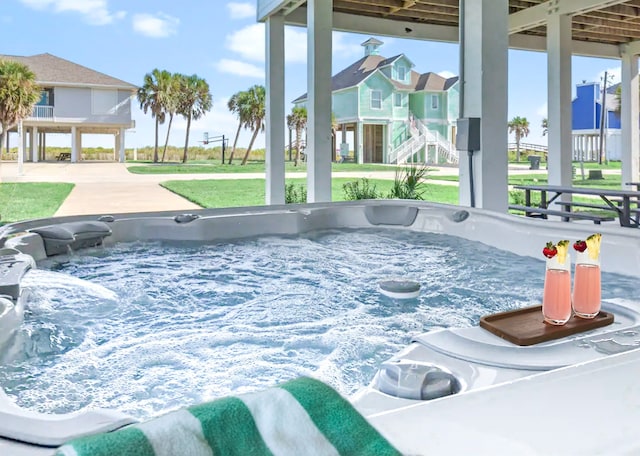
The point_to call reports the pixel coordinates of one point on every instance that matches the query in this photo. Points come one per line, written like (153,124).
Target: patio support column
(74,144)
(359,140)
(319,46)
(559,98)
(275,141)
(120,144)
(20,148)
(485,56)
(630,110)
(35,145)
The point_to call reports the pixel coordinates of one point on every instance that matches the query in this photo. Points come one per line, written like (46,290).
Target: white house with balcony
(75,100)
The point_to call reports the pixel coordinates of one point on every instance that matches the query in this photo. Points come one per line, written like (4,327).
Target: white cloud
(342,46)
(159,25)
(249,43)
(613,75)
(240,68)
(241,10)
(95,12)
(447,74)
(542,110)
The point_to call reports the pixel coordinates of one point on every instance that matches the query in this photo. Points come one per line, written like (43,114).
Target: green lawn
(31,200)
(250,167)
(250,192)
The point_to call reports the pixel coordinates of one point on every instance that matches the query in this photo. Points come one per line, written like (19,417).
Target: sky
(222,42)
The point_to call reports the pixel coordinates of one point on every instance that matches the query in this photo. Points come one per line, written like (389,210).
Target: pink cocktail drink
(587,288)
(556,298)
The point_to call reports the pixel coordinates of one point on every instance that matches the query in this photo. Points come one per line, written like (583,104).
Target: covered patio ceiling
(599,27)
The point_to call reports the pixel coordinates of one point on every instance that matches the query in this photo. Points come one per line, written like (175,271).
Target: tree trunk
(517,148)
(2,138)
(186,141)
(235,142)
(297,160)
(166,141)
(155,147)
(253,138)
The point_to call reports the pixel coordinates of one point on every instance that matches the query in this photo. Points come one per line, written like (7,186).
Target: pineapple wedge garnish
(563,250)
(593,245)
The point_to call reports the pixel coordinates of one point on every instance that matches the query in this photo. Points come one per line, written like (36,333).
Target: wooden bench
(539,212)
(63,156)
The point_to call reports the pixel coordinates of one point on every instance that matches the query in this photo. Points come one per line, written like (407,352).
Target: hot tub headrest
(75,235)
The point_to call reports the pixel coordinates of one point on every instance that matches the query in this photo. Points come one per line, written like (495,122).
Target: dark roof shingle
(50,69)
(358,71)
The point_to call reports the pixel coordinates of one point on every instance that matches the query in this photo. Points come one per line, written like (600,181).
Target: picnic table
(63,156)
(618,202)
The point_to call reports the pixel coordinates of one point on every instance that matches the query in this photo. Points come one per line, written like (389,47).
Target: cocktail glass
(587,292)
(556,298)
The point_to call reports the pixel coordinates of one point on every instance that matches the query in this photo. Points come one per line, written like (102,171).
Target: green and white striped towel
(301,417)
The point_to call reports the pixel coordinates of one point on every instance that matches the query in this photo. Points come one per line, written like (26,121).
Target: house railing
(407,149)
(445,150)
(42,112)
(527,147)
(423,138)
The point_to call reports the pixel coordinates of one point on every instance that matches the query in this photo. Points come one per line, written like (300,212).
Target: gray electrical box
(468,134)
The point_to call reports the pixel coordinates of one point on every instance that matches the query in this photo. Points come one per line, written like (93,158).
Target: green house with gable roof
(386,112)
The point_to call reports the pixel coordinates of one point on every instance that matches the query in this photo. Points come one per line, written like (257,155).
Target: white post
(20,149)
(35,144)
(559,98)
(121,145)
(275,182)
(319,47)
(74,144)
(359,142)
(485,54)
(629,110)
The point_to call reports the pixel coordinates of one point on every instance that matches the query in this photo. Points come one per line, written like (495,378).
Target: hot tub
(476,360)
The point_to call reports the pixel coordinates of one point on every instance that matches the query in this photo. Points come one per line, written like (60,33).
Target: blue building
(586,119)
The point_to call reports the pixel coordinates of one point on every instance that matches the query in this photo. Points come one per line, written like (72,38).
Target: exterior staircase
(424,139)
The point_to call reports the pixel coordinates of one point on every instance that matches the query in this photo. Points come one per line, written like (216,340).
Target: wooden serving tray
(527,326)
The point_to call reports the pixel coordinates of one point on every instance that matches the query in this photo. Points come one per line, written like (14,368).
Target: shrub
(516,197)
(409,183)
(360,189)
(295,193)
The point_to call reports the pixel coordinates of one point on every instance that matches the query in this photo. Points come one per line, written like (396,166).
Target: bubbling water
(147,327)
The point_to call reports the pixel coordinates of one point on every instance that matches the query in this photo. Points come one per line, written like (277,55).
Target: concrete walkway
(104,188)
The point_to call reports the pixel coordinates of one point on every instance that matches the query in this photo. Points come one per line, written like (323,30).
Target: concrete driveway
(106,188)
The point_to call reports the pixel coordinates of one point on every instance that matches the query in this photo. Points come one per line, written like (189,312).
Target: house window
(402,73)
(397,99)
(104,102)
(434,101)
(376,99)
(46,98)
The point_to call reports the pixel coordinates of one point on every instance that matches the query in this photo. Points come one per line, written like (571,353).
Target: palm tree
(194,102)
(297,121)
(171,104)
(545,126)
(18,95)
(256,114)
(153,97)
(519,126)
(238,104)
